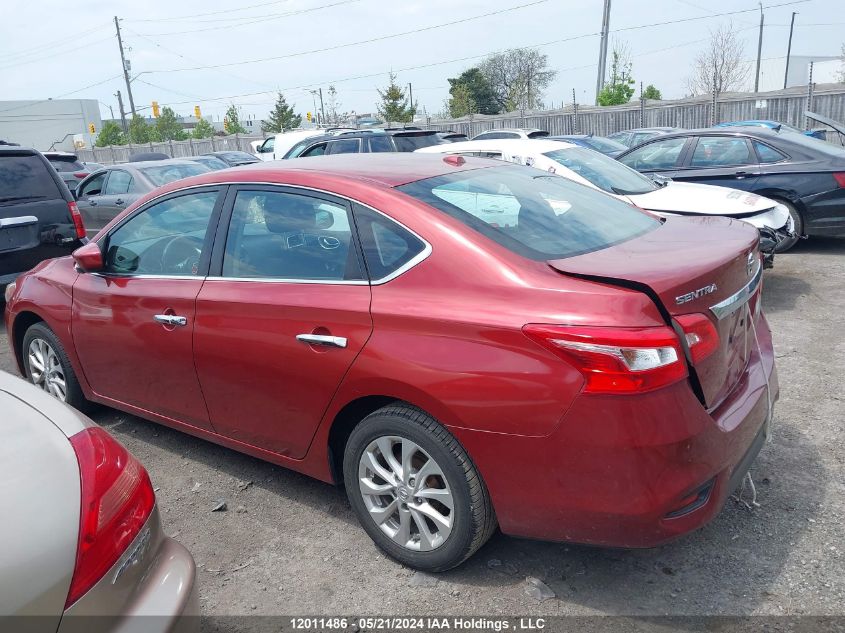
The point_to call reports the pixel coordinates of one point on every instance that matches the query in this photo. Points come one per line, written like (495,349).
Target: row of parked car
(437,332)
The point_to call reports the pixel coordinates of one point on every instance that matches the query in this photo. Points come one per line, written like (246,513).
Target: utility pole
(411,95)
(605,32)
(789,49)
(122,112)
(123,64)
(759,52)
(322,109)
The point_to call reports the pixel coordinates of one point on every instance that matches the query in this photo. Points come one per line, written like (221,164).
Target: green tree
(168,126)
(139,131)
(651,92)
(281,118)
(203,129)
(394,107)
(620,87)
(111,134)
(472,87)
(231,121)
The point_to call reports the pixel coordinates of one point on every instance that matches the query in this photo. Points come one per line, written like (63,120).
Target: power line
(254,19)
(53,44)
(199,15)
(66,94)
(358,43)
(53,54)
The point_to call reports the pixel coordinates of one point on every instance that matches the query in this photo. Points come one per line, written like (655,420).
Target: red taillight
(616,360)
(78,224)
(80,174)
(840,179)
(117,499)
(702,337)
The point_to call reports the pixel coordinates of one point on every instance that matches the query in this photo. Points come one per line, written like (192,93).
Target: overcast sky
(55,48)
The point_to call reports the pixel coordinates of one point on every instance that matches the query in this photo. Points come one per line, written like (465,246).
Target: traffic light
(156,111)
(308,116)
(226,125)
(197,112)
(91,128)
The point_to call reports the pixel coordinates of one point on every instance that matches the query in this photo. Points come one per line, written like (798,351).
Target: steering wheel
(181,254)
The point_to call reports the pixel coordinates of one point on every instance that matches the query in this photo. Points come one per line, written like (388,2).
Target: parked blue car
(773,125)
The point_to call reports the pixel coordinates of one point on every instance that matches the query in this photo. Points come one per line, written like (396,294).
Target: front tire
(47,366)
(797,227)
(415,491)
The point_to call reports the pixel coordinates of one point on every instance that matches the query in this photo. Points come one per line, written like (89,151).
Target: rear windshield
(238,156)
(539,216)
(414,141)
(163,174)
(66,164)
(538,134)
(24,178)
(604,172)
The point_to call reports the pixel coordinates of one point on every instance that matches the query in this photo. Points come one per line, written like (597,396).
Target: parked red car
(464,343)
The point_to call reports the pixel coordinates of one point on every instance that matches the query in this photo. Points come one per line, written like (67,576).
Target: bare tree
(842,71)
(719,66)
(518,78)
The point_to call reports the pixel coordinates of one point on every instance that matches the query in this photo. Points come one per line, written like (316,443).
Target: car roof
(60,155)
(17,150)
(389,169)
(536,145)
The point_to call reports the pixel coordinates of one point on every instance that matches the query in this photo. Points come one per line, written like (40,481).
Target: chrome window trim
(740,297)
(421,256)
(146,276)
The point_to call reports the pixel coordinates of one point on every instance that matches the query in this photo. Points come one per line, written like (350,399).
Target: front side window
(269,144)
(344,146)
(536,215)
(721,151)
(119,182)
(380,143)
(280,235)
(604,172)
(93,187)
(316,150)
(658,155)
(167,238)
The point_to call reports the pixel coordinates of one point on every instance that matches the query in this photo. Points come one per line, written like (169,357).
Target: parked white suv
(276,146)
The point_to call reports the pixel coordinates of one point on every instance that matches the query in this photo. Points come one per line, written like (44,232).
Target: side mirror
(89,257)
(324,220)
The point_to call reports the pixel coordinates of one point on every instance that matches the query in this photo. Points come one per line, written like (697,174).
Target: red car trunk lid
(705,265)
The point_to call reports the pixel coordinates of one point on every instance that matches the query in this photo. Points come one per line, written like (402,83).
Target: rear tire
(47,366)
(797,227)
(415,491)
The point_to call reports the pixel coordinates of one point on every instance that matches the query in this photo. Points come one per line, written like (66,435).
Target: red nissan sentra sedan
(463,343)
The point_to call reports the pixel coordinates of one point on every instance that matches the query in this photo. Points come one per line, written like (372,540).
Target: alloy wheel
(406,493)
(45,369)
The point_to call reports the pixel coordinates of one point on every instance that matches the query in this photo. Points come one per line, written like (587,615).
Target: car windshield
(163,174)
(536,215)
(238,157)
(604,145)
(604,172)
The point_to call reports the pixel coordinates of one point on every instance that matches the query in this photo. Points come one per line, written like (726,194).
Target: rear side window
(767,154)
(317,150)
(387,245)
(25,178)
(538,216)
(719,151)
(380,143)
(164,174)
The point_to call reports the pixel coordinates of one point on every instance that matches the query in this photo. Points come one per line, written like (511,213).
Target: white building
(826,69)
(58,123)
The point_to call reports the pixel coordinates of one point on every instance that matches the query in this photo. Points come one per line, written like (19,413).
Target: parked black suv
(363,141)
(38,216)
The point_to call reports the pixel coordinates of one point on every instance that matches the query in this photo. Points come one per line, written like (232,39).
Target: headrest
(289,214)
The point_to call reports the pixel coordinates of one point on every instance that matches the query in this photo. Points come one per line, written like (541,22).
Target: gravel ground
(290,545)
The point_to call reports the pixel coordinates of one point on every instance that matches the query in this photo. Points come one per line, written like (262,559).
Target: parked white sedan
(663,197)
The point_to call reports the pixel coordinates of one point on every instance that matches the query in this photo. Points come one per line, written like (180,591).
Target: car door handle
(322,339)
(93,203)
(118,201)
(170,319)
(742,174)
